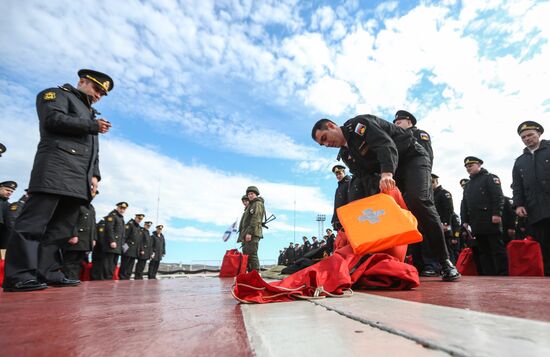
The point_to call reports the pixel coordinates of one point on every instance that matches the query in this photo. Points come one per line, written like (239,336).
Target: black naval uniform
(65,162)
(74,256)
(375,146)
(97,252)
(114,232)
(340,199)
(159,250)
(444,204)
(4,222)
(144,254)
(14,209)
(531,187)
(483,199)
(423,138)
(133,239)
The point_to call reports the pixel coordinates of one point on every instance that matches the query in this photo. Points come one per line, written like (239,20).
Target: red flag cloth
(115,274)
(2,262)
(330,277)
(525,258)
(233,264)
(465,263)
(86,270)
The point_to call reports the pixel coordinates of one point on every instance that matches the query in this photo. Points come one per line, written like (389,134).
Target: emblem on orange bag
(371,216)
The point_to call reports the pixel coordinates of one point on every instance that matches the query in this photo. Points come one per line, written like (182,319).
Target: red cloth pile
(333,276)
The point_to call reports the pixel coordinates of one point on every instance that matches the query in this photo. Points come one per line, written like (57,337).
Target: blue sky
(213,96)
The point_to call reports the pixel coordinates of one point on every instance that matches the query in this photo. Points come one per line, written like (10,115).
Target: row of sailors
(108,240)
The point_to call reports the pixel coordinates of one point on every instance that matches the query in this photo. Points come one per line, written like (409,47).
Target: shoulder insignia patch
(127,226)
(448,195)
(49,96)
(13,207)
(101,229)
(424,136)
(252,211)
(360,129)
(110,219)
(496,180)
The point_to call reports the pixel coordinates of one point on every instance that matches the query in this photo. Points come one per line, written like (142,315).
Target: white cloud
(330,96)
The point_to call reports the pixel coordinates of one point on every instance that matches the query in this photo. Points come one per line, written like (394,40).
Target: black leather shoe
(429,273)
(449,272)
(64,282)
(29,285)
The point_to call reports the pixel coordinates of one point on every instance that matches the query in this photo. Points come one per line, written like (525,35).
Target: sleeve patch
(496,180)
(110,219)
(360,129)
(101,229)
(13,207)
(448,195)
(49,96)
(424,136)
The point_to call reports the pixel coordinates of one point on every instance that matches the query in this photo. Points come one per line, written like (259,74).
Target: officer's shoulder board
(424,136)
(49,95)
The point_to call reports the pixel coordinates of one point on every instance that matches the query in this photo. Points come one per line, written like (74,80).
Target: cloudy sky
(213,96)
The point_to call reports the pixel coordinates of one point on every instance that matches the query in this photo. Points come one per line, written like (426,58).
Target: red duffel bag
(466,264)
(234,263)
(2,261)
(85,273)
(115,274)
(525,258)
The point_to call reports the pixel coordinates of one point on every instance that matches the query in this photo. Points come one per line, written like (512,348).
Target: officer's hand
(465,225)
(511,233)
(387,183)
(454,241)
(104,125)
(142,252)
(113,245)
(248,237)
(73,240)
(521,211)
(93,243)
(496,219)
(152,255)
(95,183)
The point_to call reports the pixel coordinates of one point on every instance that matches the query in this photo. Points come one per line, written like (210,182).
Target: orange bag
(376,223)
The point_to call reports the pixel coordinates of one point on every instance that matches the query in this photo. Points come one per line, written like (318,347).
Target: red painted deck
(525,297)
(198,317)
(169,317)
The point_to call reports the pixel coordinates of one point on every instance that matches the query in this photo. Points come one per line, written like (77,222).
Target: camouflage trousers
(251,249)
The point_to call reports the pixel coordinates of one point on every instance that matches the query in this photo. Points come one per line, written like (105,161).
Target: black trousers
(97,264)
(492,256)
(108,265)
(45,222)
(126,267)
(541,232)
(140,267)
(153,268)
(413,178)
(73,261)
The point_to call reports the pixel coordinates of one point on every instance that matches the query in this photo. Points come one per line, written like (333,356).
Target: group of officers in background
(314,249)
(108,240)
(488,219)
